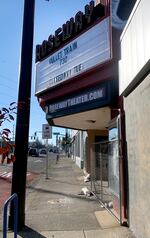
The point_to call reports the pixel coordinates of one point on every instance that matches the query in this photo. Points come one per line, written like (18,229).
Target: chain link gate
(105,176)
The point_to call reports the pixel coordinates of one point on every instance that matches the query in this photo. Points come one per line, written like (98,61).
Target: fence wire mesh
(105,182)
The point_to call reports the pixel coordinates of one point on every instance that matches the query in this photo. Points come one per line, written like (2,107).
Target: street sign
(56,133)
(46,131)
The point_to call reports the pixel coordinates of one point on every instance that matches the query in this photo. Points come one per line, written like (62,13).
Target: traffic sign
(46,131)
(56,133)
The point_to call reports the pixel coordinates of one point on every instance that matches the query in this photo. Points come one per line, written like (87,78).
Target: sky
(49,15)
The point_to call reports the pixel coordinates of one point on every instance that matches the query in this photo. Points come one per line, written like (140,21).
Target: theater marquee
(85,52)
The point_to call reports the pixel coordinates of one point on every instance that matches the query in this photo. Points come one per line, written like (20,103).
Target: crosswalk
(8,175)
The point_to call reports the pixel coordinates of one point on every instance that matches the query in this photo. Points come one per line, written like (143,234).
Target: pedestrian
(57,158)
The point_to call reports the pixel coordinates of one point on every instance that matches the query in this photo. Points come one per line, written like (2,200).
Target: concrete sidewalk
(54,208)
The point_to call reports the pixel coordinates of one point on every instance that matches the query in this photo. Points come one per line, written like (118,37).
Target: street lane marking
(38,161)
(6,174)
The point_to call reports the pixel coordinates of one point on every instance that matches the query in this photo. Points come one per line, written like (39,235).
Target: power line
(6,86)
(8,95)
(10,79)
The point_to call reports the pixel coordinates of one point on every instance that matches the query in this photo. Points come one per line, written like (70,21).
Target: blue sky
(49,15)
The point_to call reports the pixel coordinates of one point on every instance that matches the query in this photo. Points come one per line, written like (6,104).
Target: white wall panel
(135,44)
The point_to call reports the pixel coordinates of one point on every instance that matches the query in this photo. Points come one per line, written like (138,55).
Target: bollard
(13,198)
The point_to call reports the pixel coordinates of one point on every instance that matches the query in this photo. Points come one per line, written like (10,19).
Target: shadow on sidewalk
(64,182)
(27,232)
(78,196)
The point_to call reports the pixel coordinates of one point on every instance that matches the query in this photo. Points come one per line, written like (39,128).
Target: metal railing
(13,198)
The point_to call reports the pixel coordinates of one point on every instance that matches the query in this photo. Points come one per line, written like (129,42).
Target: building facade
(134,80)
(77,85)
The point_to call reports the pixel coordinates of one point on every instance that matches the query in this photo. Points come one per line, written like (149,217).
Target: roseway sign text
(46,131)
(90,49)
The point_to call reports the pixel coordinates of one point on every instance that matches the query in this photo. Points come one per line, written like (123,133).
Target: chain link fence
(105,182)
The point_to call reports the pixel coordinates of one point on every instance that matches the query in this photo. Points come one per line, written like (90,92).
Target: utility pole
(23,114)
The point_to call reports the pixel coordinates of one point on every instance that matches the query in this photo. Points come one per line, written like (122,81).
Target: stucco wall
(137,109)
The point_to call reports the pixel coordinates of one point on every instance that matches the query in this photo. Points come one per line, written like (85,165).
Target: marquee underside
(96,119)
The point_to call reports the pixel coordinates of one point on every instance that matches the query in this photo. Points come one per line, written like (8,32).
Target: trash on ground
(85,191)
(87,178)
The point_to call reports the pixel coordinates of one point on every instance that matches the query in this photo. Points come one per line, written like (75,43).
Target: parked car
(55,149)
(42,152)
(33,152)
